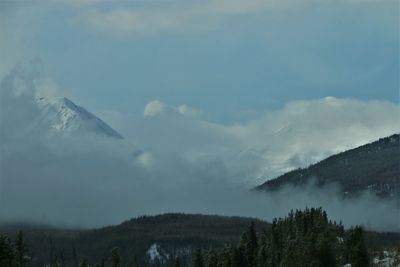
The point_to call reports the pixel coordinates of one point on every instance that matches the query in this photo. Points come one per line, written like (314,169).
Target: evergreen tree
(248,247)
(225,257)
(115,257)
(20,250)
(326,254)
(357,253)
(6,252)
(211,258)
(135,261)
(177,262)
(83,263)
(198,259)
(238,259)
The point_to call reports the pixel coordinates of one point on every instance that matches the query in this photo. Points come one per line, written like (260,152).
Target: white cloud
(301,133)
(304,132)
(157,107)
(154,107)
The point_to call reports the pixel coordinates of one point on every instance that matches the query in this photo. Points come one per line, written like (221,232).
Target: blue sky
(230,59)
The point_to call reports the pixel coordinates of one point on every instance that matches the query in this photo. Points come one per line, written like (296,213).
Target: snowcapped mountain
(64,116)
(32,103)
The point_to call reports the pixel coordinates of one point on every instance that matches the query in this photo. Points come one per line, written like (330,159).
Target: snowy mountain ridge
(64,116)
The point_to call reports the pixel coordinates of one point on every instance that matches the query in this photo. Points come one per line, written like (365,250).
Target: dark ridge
(173,232)
(373,167)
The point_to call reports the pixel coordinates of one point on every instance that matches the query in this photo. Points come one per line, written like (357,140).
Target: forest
(305,237)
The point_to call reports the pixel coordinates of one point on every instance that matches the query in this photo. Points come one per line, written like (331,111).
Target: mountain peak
(63,115)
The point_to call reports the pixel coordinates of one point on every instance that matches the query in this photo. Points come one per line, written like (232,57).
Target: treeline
(303,238)
(176,234)
(13,254)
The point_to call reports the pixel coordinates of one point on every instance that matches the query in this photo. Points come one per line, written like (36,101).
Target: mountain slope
(64,116)
(30,102)
(374,167)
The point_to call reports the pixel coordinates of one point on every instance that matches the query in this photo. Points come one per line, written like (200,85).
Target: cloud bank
(192,165)
(300,133)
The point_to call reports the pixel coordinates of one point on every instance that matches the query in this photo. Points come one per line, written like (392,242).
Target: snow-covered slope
(30,102)
(64,116)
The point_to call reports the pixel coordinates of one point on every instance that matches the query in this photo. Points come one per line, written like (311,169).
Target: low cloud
(189,165)
(299,134)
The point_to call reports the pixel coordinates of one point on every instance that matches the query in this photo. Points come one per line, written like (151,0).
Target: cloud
(166,16)
(304,132)
(157,107)
(191,165)
(300,133)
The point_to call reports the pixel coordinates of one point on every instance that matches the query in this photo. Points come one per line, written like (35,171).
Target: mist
(172,160)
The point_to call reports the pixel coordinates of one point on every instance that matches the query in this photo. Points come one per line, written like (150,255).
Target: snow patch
(156,254)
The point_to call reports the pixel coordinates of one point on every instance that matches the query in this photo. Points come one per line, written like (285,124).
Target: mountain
(373,167)
(29,102)
(64,116)
(146,238)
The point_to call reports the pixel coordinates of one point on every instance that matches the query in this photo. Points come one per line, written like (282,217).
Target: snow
(155,253)
(62,116)
(389,258)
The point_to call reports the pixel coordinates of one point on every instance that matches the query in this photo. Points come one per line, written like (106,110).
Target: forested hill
(374,167)
(162,237)
(157,241)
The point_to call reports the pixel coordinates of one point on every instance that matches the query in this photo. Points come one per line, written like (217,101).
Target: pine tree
(248,246)
(115,258)
(135,261)
(238,259)
(20,250)
(6,252)
(212,258)
(198,259)
(326,254)
(83,263)
(357,253)
(177,262)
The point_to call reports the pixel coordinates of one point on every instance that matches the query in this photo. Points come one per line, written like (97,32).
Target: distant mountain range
(373,167)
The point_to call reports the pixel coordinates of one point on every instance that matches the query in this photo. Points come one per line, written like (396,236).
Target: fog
(174,160)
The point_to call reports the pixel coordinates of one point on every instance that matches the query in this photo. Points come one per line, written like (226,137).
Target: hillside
(372,167)
(153,240)
(163,236)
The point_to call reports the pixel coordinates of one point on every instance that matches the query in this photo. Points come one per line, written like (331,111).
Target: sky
(212,98)
(231,59)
